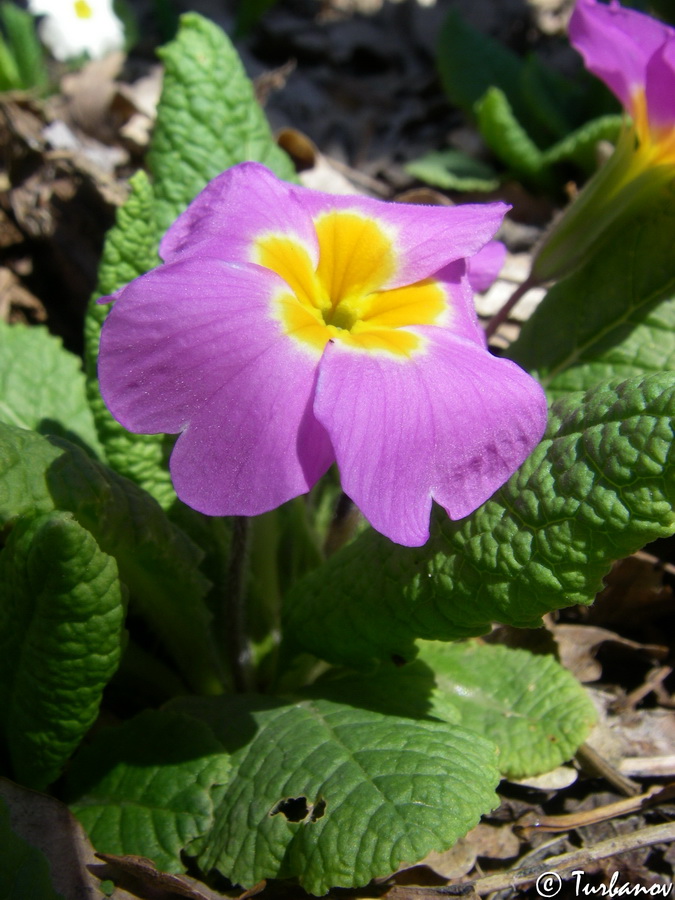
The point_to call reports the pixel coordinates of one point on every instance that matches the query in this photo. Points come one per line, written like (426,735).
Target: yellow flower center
(342,298)
(656,145)
(83,10)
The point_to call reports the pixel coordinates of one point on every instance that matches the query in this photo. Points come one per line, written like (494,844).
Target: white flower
(73,27)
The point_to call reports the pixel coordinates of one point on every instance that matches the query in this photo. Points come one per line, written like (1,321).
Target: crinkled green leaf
(599,486)
(453,171)
(25,870)
(61,628)
(208,118)
(148,788)
(606,313)
(130,250)
(581,146)
(335,795)
(506,137)
(644,343)
(157,562)
(532,708)
(42,386)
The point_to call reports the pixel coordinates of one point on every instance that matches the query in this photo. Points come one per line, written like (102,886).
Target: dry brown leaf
(49,825)
(146,873)
(634,593)
(578,645)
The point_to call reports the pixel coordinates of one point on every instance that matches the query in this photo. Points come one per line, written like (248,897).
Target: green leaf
(598,308)
(130,250)
(157,562)
(25,870)
(581,146)
(643,344)
(42,386)
(19,26)
(208,118)
(61,631)
(532,708)
(334,795)
(505,136)
(598,487)
(454,171)
(470,63)
(10,80)
(148,787)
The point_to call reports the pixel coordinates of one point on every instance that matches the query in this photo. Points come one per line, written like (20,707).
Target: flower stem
(235,614)
(502,314)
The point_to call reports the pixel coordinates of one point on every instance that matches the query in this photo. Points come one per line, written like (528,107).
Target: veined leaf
(148,788)
(157,562)
(454,171)
(628,284)
(528,705)
(334,795)
(599,486)
(532,708)
(581,146)
(61,631)
(130,250)
(42,386)
(506,137)
(208,118)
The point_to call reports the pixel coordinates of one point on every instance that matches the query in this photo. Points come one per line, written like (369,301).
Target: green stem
(501,315)
(235,613)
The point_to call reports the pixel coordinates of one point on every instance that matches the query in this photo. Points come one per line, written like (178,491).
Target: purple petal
(485,266)
(450,424)
(660,89)
(426,238)
(616,44)
(235,208)
(192,346)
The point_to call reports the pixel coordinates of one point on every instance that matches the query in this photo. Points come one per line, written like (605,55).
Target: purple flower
(288,329)
(634,55)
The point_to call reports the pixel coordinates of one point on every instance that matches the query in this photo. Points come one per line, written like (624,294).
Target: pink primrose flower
(634,55)
(289,329)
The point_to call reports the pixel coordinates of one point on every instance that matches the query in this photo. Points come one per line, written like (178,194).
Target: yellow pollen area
(83,10)
(656,145)
(341,298)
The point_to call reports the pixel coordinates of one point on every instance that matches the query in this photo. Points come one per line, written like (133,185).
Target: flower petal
(425,238)
(616,44)
(451,424)
(192,346)
(485,266)
(660,87)
(240,205)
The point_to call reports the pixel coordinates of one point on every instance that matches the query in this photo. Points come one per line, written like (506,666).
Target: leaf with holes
(335,795)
